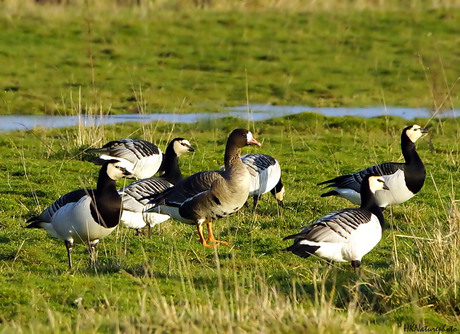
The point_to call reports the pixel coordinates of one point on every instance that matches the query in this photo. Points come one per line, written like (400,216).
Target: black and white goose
(135,196)
(206,196)
(142,158)
(345,235)
(265,174)
(85,215)
(404,180)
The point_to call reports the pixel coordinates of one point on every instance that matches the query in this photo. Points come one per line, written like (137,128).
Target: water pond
(253,112)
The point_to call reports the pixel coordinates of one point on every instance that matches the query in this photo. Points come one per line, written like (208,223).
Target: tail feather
(34,222)
(295,236)
(325,182)
(330,193)
(336,181)
(302,250)
(97,150)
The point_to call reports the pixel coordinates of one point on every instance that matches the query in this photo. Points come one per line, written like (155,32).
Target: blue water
(253,112)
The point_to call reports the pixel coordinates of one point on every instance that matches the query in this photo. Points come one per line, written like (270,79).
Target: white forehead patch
(249,137)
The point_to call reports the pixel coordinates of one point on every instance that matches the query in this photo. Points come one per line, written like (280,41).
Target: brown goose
(210,195)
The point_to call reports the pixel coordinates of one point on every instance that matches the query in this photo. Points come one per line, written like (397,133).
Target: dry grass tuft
(430,274)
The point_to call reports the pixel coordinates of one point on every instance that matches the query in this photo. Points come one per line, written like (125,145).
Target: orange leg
(202,239)
(211,235)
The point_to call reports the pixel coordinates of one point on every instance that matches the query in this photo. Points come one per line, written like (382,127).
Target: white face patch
(116,170)
(376,183)
(181,147)
(414,133)
(280,195)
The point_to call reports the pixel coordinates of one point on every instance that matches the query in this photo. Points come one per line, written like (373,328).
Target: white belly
(132,219)
(362,240)
(265,181)
(328,250)
(351,195)
(398,192)
(74,222)
(147,167)
(138,220)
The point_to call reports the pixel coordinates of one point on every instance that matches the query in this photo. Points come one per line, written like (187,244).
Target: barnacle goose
(85,215)
(142,157)
(265,174)
(206,196)
(345,235)
(135,196)
(404,180)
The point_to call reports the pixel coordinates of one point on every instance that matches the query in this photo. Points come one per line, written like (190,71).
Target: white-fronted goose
(265,174)
(142,158)
(207,196)
(85,215)
(345,235)
(135,196)
(404,180)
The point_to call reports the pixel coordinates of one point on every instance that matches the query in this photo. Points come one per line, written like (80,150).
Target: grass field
(192,56)
(170,283)
(176,58)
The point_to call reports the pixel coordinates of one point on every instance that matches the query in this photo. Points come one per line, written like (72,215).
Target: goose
(404,180)
(345,235)
(169,169)
(142,157)
(209,195)
(85,215)
(134,196)
(265,174)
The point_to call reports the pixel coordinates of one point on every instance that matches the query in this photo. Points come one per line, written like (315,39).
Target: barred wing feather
(128,149)
(353,181)
(335,227)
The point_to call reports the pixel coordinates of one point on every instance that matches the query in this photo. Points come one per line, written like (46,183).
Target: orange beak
(254,142)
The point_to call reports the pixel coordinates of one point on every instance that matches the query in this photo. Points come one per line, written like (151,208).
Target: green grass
(158,59)
(170,283)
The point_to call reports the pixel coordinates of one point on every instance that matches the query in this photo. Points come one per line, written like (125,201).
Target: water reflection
(253,112)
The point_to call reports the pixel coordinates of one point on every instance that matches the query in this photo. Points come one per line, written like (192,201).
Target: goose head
(377,183)
(242,138)
(414,132)
(116,170)
(181,146)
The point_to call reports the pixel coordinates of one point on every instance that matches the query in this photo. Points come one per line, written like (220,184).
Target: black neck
(408,150)
(368,202)
(169,169)
(107,208)
(414,170)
